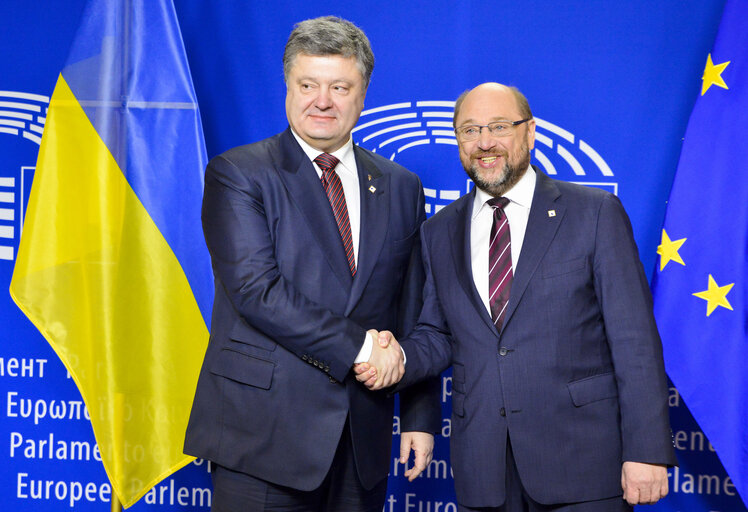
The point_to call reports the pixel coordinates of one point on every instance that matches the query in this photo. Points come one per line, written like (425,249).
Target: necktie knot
(498,202)
(326,162)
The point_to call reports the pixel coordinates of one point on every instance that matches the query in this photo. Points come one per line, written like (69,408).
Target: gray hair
(329,35)
(522,104)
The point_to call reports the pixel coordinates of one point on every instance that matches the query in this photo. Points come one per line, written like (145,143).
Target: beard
(511,173)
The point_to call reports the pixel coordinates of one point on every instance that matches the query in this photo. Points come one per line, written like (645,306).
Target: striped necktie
(499,262)
(334,189)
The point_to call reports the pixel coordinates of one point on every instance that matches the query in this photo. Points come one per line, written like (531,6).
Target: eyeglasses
(497,129)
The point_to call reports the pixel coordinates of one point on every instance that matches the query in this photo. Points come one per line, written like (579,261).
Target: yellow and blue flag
(112,267)
(700,285)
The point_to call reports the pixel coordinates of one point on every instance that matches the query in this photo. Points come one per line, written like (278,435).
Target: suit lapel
(541,228)
(374,192)
(459,231)
(305,189)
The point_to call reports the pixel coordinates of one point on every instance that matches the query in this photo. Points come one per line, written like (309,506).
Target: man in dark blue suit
(313,242)
(536,296)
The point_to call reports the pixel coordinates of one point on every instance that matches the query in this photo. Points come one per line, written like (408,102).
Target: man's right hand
(385,367)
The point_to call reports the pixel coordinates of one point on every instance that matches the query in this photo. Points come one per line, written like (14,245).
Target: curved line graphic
(573,162)
(403,136)
(555,129)
(544,139)
(25,96)
(385,108)
(392,129)
(32,137)
(384,120)
(448,104)
(440,124)
(545,162)
(449,115)
(595,157)
(410,145)
(449,195)
(8,122)
(20,106)
(451,142)
(16,115)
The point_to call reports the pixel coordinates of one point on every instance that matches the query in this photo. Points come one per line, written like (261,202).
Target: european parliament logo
(22,118)
(419,136)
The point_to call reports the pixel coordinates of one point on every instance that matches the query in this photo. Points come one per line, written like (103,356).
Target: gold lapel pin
(369,175)
(551,213)
(372,189)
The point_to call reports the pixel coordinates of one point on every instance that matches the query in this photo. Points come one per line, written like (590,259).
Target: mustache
(486,154)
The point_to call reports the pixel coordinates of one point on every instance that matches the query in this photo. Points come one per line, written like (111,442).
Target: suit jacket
(288,320)
(575,377)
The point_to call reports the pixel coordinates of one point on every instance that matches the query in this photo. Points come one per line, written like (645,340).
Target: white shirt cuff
(365,353)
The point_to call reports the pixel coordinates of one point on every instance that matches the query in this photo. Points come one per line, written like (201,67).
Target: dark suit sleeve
(626,303)
(428,348)
(244,262)
(420,406)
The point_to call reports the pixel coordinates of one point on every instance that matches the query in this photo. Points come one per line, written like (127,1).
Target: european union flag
(700,285)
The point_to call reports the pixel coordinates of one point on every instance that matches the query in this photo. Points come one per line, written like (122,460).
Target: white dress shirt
(348,174)
(517,212)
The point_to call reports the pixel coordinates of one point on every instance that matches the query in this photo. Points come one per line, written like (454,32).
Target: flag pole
(116,504)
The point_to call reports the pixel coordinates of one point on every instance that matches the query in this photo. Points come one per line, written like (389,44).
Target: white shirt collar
(521,193)
(344,154)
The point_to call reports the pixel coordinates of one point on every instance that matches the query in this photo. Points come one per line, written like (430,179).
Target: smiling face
(324,99)
(495,164)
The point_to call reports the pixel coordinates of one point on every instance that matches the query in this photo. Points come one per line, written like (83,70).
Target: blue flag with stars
(700,283)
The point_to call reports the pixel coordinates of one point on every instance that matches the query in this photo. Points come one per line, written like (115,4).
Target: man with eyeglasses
(536,296)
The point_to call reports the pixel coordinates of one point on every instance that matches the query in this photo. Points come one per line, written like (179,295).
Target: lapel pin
(551,213)
(369,175)
(372,189)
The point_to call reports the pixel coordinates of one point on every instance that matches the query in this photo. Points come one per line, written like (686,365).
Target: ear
(531,134)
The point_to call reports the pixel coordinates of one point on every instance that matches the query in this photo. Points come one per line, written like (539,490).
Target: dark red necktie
(334,189)
(499,262)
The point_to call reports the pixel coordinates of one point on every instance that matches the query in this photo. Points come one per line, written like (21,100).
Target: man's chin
(494,187)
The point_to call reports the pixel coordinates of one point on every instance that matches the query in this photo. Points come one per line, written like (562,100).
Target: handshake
(386,365)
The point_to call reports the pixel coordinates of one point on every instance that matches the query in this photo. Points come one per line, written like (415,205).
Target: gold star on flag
(713,75)
(668,250)
(715,296)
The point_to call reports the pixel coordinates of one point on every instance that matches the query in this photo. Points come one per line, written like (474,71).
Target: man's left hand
(422,444)
(643,483)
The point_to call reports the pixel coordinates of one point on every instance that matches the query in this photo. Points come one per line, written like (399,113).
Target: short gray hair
(329,35)
(522,104)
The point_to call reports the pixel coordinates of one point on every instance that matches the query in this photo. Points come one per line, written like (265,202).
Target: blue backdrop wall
(611,83)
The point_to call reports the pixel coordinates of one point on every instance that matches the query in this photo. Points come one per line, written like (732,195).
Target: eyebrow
(473,122)
(317,80)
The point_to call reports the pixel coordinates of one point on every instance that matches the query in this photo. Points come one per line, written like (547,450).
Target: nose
(485,140)
(323,100)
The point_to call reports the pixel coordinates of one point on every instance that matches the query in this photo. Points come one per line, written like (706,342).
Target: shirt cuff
(365,353)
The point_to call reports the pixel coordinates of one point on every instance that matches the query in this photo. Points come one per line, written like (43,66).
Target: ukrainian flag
(701,284)
(112,267)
